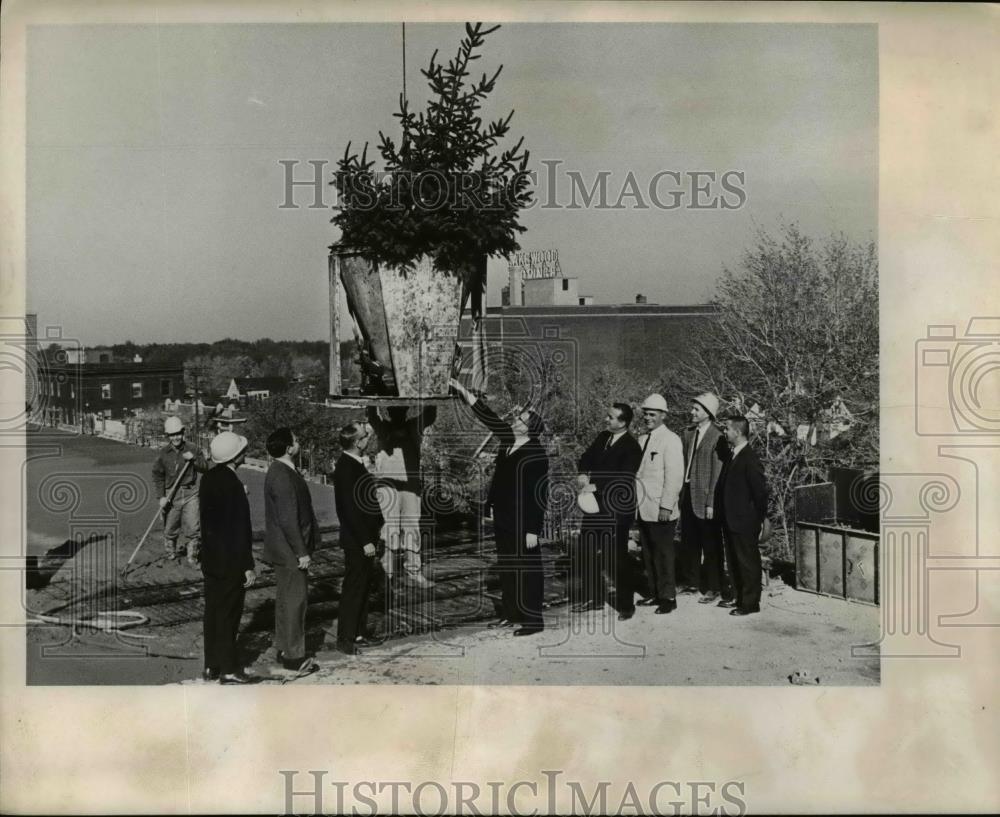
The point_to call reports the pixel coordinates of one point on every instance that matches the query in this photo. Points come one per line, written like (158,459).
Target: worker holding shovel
(180,513)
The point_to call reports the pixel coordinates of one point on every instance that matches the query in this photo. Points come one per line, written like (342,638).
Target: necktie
(694,448)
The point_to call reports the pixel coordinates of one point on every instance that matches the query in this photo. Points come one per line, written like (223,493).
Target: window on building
(166,387)
(565,283)
(136,390)
(105,391)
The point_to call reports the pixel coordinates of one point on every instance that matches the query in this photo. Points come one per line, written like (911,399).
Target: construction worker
(180,515)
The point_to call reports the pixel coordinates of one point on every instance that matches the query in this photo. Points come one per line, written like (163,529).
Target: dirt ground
(696,645)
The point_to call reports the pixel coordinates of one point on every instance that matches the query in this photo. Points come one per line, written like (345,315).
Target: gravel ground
(697,645)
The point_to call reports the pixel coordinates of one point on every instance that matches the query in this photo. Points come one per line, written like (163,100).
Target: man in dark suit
(609,464)
(704,567)
(742,498)
(356,497)
(226,557)
(291,533)
(518,497)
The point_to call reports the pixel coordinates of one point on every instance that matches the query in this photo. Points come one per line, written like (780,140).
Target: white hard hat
(656,402)
(709,402)
(586,499)
(173,425)
(227,446)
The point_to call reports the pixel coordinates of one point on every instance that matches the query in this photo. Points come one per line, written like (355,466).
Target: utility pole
(197,416)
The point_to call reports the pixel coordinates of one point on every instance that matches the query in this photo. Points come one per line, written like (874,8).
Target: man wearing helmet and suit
(181,515)
(227,559)
(658,485)
(701,538)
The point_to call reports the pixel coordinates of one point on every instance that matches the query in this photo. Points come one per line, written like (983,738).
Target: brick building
(642,338)
(70,390)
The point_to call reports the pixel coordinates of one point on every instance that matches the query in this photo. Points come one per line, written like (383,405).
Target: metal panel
(422,315)
(861,554)
(805,558)
(831,563)
(837,561)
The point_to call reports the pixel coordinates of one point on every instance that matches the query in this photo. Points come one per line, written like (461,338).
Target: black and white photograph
(601,354)
(517,354)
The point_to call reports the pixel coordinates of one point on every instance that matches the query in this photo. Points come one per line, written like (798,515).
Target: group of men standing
(213,514)
(710,481)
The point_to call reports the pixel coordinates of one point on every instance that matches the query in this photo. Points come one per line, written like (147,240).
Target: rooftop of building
(271,383)
(593,310)
(115,367)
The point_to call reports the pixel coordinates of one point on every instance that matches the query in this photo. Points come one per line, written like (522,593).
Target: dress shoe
(708,598)
(347,648)
(368,641)
(688,591)
(418,580)
(666,607)
(626,615)
(528,630)
(499,623)
(741,612)
(646,602)
(210,674)
(236,678)
(726,603)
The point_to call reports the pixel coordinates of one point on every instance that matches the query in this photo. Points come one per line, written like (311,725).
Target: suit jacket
(705,468)
(741,495)
(612,471)
(226,533)
(290,526)
(660,475)
(519,493)
(356,498)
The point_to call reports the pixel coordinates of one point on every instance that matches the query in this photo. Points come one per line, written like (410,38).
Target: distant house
(255,388)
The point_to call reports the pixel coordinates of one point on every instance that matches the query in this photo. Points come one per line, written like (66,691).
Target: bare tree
(795,348)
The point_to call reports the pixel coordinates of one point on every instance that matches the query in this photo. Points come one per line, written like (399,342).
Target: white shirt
(355,456)
(615,437)
(739,448)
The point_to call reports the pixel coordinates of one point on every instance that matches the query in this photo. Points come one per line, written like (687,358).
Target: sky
(155,181)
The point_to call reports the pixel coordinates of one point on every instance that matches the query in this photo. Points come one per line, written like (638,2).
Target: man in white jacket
(658,483)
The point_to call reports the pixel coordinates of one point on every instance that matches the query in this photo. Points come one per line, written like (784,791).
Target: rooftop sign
(535,264)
